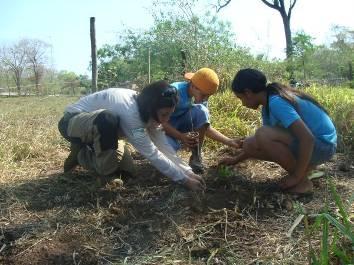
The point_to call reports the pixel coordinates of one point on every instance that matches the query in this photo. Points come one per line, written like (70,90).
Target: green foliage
(351,84)
(69,83)
(332,63)
(337,241)
(303,48)
(85,84)
(116,64)
(339,102)
(204,42)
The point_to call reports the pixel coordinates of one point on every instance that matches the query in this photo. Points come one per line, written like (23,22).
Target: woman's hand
(194,182)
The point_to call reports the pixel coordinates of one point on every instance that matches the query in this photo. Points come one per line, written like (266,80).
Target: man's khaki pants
(97,134)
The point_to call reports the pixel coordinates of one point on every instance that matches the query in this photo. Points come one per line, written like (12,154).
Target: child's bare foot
(288,182)
(305,186)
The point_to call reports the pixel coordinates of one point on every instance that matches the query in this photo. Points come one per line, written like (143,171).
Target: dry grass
(48,217)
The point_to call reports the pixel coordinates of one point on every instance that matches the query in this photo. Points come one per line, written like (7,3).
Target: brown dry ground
(48,217)
(57,218)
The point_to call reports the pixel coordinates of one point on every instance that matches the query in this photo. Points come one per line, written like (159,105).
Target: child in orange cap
(192,115)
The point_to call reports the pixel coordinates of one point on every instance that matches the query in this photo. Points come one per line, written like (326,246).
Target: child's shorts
(322,151)
(191,120)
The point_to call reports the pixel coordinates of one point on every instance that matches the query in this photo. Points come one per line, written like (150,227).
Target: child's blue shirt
(184,101)
(282,113)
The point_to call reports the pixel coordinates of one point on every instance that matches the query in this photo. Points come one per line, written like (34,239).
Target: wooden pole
(184,62)
(149,63)
(93,54)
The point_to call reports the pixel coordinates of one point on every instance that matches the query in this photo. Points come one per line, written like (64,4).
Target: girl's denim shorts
(322,151)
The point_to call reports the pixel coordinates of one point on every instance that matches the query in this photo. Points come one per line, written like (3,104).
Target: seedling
(225,172)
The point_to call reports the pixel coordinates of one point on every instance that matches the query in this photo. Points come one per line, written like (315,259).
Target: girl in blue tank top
(297,132)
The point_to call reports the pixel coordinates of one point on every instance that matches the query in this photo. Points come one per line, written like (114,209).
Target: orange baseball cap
(205,79)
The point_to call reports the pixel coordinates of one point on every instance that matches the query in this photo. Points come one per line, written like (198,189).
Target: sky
(66,24)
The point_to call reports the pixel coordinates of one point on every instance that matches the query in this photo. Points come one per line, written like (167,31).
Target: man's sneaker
(71,161)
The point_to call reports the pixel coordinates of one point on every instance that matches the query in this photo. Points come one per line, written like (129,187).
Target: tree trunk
(288,39)
(303,68)
(36,79)
(183,62)
(18,82)
(279,5)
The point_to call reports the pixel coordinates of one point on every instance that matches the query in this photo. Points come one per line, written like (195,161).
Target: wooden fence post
(93,54)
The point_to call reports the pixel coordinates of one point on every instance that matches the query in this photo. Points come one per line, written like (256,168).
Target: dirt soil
(242,218)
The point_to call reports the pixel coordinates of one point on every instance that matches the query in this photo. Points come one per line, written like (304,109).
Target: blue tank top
(282,113)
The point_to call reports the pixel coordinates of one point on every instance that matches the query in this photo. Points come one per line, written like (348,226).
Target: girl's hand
(236,143)
(228,161)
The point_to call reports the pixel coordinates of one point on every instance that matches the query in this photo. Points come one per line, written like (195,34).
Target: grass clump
(339,102)
(336,232)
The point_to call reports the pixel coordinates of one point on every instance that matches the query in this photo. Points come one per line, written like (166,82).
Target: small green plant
(224,172)
(337,240)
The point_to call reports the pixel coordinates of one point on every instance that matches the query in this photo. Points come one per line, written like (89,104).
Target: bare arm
(171,131)
(186,139)
(219,137)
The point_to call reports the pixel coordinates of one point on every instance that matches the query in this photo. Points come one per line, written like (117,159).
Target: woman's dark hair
(156,96)
(256,82)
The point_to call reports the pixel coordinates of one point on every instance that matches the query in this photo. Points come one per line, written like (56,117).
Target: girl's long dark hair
(155,96)
(256,82)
